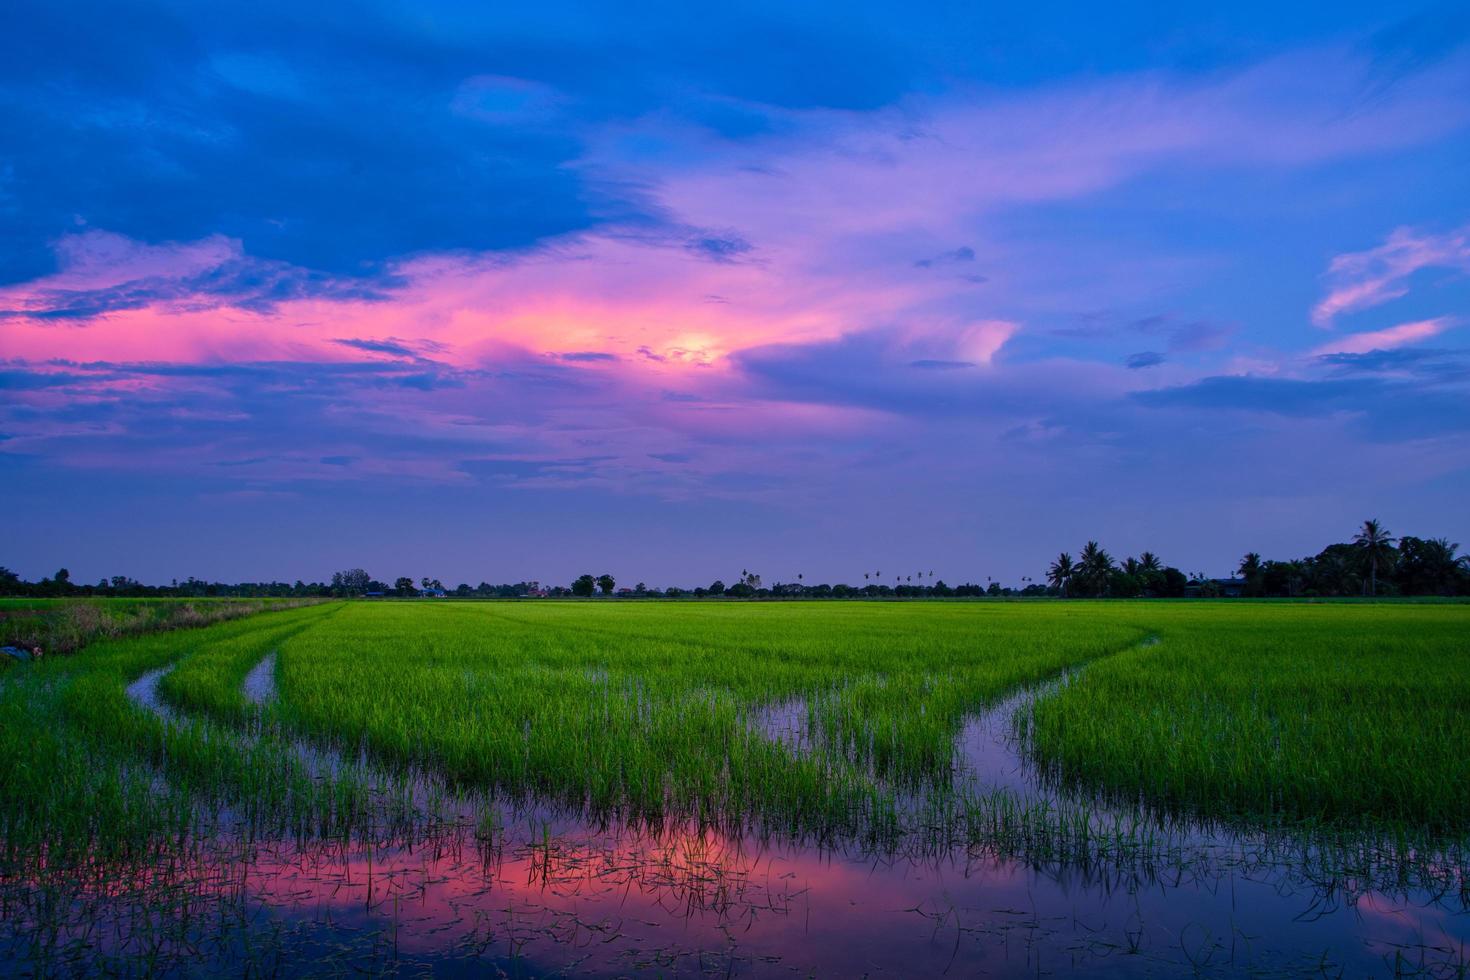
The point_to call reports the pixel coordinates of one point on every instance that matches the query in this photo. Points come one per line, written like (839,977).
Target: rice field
(1136,788)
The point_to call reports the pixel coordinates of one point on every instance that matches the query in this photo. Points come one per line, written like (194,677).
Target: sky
(672,291)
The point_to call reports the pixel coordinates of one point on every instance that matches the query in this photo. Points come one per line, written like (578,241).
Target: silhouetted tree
(1429,566)
(352,581)
(1253,572)
(1094,567)
(1376,544)
(1336,571)
(584,586)
(1060,573)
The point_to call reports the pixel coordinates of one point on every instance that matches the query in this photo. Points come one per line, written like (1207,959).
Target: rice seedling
(430,746)
(1310,713)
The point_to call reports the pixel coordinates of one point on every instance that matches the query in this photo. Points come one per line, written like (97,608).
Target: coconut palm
(1060,573)
(1149,562)
(1094,565)
(1296,576)
(1095,558)
(1376,543)
(1428,565)
(1461,562)
(1253,571)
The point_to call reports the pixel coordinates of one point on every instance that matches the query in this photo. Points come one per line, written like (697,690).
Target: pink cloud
(1389,338)
(1360,280)
(835,209)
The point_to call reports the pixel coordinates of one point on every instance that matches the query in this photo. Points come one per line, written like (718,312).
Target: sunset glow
(559,307)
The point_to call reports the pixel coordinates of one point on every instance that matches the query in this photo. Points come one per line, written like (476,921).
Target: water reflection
(704,901)
(531,890)
(555,897)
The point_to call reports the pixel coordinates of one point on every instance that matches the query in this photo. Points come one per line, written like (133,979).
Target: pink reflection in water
(702,901)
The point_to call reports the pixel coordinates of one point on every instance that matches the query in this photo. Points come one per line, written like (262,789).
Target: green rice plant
(1342,715)
(1187,739)
(1322,714)
(647,711)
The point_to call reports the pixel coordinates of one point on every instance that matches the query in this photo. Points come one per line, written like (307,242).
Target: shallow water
(144,692)
(563,899)
(260,683)
(547,893)
(713,904)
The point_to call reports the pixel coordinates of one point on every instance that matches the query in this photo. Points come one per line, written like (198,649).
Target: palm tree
(1428,565)
(1252,571)
(1461,562)
(1296,574)
(1376,543)
(1093,554)
(1132,567)
(1060,573)
(1094,565)
(1149,562)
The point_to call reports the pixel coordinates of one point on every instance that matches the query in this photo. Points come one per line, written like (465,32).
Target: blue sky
(438,289)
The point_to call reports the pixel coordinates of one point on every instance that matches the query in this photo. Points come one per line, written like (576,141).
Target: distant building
(1215,588)
(1230,588)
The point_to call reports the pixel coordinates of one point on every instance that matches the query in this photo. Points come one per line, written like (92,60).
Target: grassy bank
(60,626)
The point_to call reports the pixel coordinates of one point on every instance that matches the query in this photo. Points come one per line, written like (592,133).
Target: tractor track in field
(428,796)
(259,687)
(990,753)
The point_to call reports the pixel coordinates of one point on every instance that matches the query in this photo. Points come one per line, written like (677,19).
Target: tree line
(1373,563)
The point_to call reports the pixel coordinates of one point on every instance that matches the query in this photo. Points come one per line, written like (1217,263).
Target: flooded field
(545,898)
(750,791)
